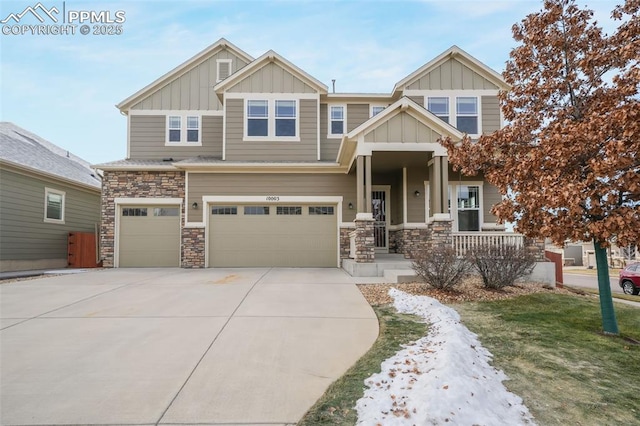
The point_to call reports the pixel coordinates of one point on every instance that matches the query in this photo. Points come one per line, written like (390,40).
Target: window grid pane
(376,110)
(286,109)
(337,113)
(174,122)
(134,211)
(438,106)
(256,210)
(321,210)
(193,122)
(288,210)
(257,109)
(165,211)
(469,197)
(224,210)
(467,106)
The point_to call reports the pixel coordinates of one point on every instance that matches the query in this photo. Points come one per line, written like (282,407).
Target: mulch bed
(469,290)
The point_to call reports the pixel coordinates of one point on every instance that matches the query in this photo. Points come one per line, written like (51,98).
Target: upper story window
(466,117)
(54,205)
(337,120)
(376,109)
(439,106)
(183,129)
(272,118)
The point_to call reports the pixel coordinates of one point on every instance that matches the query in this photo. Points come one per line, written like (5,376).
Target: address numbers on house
(272,198)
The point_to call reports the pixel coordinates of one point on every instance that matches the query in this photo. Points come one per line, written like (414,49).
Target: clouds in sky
(64,88)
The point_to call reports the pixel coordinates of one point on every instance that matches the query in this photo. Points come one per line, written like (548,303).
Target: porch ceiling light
(417,193)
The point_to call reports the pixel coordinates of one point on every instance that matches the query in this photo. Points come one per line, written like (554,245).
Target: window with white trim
(376,109)
(223,69)
(183,129)
(273,118)
(465,116)
(54,205)
(468,205)
(439,105)
(337,120)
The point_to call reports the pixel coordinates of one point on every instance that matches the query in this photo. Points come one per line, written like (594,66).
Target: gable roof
(269,57)
(183,69)
(26,150)
(404,104)
(454,52)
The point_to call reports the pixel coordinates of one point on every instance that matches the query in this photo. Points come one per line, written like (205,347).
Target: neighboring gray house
(45,193)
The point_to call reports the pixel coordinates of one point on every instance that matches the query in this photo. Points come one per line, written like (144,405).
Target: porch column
(359,184)
(439,185)
(367,190)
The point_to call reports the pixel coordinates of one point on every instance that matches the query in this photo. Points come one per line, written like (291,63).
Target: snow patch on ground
(443,378)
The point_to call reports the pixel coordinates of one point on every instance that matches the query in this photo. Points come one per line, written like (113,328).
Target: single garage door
(149,236)
(301,235)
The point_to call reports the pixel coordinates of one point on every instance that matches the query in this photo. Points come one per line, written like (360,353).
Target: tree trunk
(609,323)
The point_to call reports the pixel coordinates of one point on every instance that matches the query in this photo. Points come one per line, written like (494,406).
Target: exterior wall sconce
(350,206)
(194,206)
(417,193)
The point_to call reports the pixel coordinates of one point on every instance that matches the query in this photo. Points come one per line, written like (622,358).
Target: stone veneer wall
(193,247)
(118,184)
(414,240)
(365,244)
(345,243)
(536,247)
(395,241)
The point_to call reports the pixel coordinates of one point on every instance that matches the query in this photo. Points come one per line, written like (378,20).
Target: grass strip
(559,362)
(337,405)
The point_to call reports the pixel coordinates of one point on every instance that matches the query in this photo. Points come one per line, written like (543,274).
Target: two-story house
(235,161)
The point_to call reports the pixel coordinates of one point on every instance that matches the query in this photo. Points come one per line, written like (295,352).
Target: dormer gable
(454,69)
(190,85)
(271,73)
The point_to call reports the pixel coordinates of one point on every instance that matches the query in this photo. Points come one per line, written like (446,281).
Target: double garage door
(294,235)
(251,235)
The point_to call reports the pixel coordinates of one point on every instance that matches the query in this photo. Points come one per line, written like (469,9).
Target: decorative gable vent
(224,69)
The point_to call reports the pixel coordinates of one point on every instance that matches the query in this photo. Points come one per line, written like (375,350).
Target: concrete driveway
(172,346)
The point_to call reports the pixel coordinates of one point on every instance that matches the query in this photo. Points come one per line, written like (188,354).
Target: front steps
(392,268)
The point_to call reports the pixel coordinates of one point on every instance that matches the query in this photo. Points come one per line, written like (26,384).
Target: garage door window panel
(289,210)
(321,210)
(134,211)
(256,210)
(224,210)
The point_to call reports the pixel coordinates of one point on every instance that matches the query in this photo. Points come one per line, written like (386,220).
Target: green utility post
(609,323)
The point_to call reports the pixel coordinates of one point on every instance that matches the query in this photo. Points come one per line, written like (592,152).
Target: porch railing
(465,241)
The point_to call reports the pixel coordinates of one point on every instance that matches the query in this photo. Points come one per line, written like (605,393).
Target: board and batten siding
(271,78)
(148,135)
(417,99)
(273,184)
(490,114)
(24,235)
(272,150)
(452,75)
(193,90)
(402,128)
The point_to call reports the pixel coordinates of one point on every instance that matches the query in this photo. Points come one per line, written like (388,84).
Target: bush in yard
(440,267)
(501,265)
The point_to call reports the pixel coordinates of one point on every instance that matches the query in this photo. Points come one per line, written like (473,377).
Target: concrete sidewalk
(172,346)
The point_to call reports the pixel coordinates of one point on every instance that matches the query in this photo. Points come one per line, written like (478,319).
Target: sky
(64,88)
(443,378)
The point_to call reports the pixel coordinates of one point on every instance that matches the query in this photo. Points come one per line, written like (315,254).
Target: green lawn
(549,344)
(566,371)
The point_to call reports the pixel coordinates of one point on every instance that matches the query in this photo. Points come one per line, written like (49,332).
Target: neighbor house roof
(25,150)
